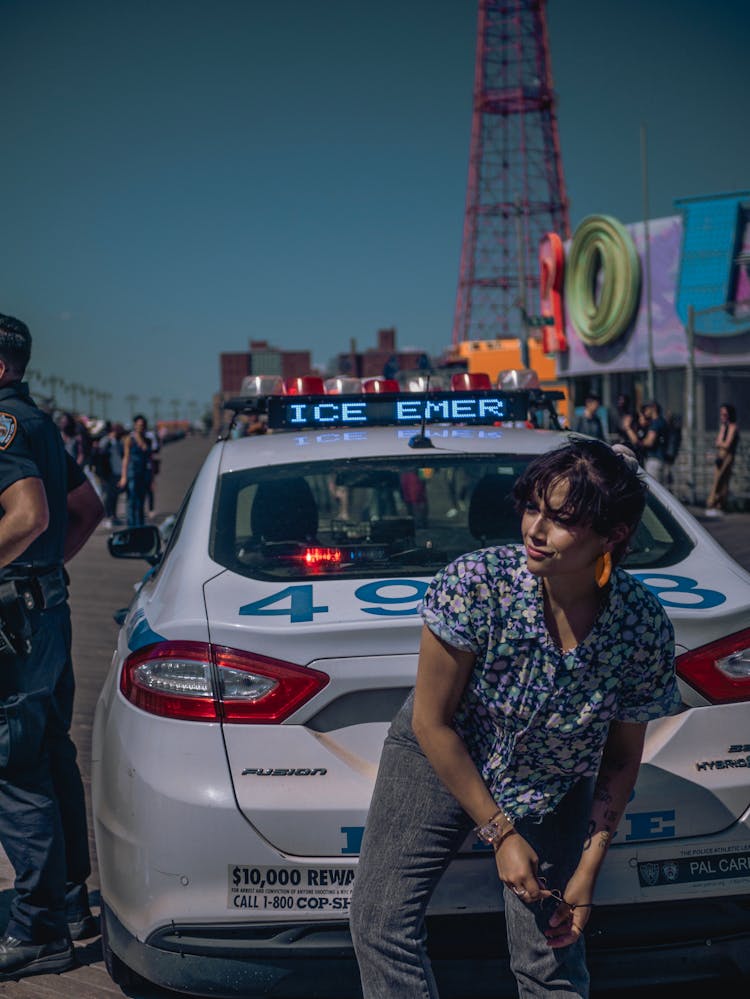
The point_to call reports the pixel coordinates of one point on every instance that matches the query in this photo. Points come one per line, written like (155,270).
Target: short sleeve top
(534,717)
(31,447)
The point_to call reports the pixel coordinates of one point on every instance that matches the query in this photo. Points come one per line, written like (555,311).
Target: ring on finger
(518,891)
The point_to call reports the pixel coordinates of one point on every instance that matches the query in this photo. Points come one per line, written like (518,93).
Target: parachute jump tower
(516,191)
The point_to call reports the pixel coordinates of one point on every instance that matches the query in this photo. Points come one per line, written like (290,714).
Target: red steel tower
(515,192)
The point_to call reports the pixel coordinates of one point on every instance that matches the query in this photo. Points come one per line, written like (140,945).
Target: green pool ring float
(601,243)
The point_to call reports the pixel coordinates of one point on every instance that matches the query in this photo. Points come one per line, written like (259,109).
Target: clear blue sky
(178,176)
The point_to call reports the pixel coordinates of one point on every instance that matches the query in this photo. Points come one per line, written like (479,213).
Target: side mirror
(137,542)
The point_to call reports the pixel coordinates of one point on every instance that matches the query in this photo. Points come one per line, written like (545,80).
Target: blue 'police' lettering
(651,825)
(353,839)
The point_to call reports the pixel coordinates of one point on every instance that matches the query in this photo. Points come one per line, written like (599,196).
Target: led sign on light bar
(389,410)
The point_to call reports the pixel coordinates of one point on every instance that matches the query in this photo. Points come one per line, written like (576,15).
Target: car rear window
(386,517)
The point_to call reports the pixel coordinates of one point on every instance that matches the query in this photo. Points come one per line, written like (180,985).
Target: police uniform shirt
(31,447)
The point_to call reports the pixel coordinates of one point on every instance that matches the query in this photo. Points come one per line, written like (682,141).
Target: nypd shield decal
(8,427)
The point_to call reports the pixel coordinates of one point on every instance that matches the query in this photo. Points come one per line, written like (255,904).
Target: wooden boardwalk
(99,586)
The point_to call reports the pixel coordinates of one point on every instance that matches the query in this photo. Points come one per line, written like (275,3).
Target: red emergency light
(304,385)
(465,381)
(380,385)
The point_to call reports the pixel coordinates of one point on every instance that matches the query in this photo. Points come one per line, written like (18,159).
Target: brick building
(261,359)
(384,359)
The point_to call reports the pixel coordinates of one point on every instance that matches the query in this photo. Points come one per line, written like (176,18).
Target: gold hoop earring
(603,569)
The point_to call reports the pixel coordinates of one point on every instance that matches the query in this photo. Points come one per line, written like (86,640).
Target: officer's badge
(8,427)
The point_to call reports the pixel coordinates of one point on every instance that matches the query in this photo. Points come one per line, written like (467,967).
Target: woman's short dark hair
(15,344)
(605,488)
(731,411)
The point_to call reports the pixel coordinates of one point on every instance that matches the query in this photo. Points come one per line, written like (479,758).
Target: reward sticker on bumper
(688,870)
(322,890)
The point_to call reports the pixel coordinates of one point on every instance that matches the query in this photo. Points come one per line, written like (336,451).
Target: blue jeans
(414,828)
(137,490)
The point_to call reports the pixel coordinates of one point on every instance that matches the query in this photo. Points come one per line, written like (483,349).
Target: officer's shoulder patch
(8,428)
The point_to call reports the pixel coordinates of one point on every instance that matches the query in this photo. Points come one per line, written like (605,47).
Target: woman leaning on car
(539,668)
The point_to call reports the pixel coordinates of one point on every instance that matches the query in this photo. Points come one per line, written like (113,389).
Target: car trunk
(304,785)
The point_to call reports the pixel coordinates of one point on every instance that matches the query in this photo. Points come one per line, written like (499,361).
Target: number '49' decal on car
(391,598)
(401,597)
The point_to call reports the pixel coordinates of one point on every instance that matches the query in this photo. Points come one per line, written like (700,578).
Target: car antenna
(421,439)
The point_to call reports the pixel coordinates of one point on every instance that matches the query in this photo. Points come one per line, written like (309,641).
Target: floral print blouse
(535,718)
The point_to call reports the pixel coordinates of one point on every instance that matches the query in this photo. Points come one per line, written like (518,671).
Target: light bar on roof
(484,407)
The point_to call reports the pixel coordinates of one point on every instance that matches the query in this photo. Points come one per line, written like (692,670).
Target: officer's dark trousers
(42,806)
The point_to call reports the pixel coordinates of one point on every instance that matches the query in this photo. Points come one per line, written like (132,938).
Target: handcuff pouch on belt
(18,598)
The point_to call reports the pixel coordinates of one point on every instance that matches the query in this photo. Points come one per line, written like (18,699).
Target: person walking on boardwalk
(539,667)
(137,471)
(108,465)
(49,509)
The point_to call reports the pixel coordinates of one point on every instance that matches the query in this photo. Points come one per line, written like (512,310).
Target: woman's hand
(569,919)
(517,864)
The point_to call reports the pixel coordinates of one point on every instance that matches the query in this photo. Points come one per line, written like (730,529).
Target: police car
(237,736)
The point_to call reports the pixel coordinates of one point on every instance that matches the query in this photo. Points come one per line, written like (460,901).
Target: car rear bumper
(629,945)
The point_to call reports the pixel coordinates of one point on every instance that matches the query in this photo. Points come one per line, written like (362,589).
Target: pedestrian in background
(538,670)
(72,440)
(622,418)
(155,469)
(49,509)
(108,461)
(136,470)
(649,437)
(727,440)
(589,422)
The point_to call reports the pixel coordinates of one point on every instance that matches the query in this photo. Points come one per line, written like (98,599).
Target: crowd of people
(654,438)
(122,463)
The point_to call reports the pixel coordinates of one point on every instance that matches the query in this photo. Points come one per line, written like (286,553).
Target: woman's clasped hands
(518,866)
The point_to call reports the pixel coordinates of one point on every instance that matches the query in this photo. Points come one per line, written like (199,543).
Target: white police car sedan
(237,735)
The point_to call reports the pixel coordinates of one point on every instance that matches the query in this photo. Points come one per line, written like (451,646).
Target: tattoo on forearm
(589,834)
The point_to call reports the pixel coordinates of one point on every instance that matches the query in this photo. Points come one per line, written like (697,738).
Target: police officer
(48,509)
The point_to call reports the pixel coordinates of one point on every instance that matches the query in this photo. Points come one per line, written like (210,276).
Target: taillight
(176,680)
(720,671)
